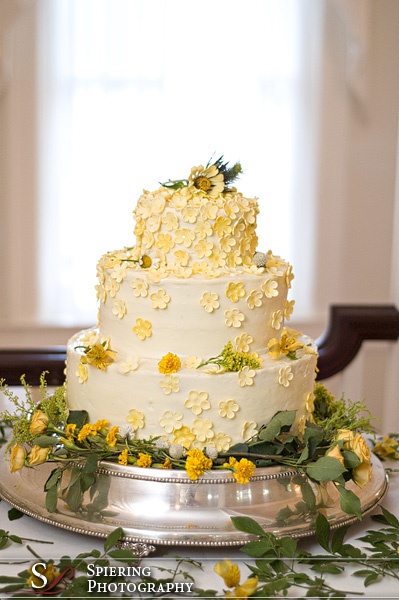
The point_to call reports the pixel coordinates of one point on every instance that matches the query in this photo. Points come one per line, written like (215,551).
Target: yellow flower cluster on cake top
(192,343)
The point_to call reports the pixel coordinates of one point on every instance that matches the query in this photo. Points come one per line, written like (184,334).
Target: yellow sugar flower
(136,419)
(144,460)
(235,291)
(210,301)
(197,463)
(143,329)
(207,180)
(170,384)
(160,299)
(234,318)
(170,363)
(183,436)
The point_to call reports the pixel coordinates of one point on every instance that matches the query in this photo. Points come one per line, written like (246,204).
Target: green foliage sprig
(232,360)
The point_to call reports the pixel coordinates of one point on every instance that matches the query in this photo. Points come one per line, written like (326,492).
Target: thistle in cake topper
(214,179)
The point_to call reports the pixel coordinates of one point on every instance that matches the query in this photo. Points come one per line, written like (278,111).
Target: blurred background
(102,98)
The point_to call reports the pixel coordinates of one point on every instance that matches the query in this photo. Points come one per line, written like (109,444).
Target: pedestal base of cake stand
(157,507)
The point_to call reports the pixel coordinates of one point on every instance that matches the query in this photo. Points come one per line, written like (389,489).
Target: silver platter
(166,508)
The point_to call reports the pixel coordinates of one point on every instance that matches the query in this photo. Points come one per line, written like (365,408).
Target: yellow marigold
(197,463)
(242,470)
(170,363)
(86,430)
(144,460)
(122,458)
(70,431)
(101,424)
(167,463)
(112,436)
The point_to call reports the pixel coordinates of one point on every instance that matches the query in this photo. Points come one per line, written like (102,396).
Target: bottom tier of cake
(194,406)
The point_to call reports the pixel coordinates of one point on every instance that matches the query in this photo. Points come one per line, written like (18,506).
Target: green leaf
(79,417)
(113,538)
(349,502)
(257,548)
(338,539)
(14,514)
(74,494)
(52,498)
(280,421)
(91,463)
(350,459)
(390,518)
(45,441)
(308,495)
(248,525)
(372,578)
(323,531)
(325,468)
(53,479)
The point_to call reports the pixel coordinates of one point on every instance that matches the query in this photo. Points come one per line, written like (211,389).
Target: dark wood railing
(348,326)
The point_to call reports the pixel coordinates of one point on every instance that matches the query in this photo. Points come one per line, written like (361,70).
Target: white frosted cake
(192,342)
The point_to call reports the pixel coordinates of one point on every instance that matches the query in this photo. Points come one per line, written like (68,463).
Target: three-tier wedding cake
(192,342)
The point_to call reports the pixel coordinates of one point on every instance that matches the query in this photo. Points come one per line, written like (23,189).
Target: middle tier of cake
(150,312)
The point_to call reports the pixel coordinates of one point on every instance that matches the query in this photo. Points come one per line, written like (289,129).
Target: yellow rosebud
(359,446)
(362,474)
(17,458)
(39,422)
(346,435)
(38,455)
(335,452)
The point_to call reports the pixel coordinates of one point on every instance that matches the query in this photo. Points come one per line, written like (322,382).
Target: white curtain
(134,92)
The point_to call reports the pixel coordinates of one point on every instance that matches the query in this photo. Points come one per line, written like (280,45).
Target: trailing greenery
(278,566)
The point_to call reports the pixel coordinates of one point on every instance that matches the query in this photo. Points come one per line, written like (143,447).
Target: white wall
(356,223)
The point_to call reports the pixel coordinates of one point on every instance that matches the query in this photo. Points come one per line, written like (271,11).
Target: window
(134,92)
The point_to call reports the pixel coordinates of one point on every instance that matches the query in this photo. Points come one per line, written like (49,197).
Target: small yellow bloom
(387,448)
(101,424)
(167,463)
(122,458)
(243,470)
(143,329)
(197,463)
(39,422)
(86,431)
(170,363)
(38,455)
(48,571)
(112,436)
(144,460)
(99,356)
(70,431)
(17,458)
(229,571)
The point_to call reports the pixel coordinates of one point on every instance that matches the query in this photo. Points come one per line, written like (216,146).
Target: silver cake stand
(158,507)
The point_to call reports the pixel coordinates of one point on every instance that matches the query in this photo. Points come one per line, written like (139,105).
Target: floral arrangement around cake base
(330,448)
